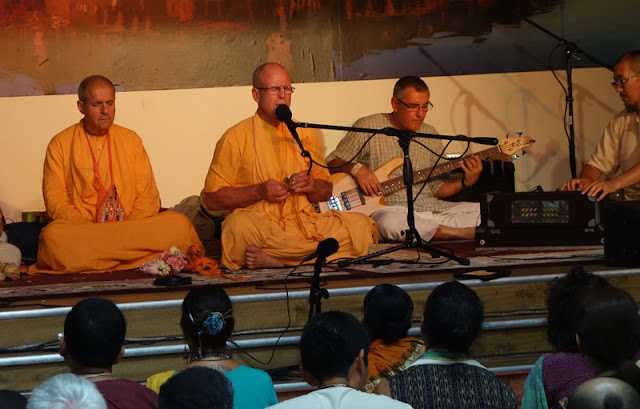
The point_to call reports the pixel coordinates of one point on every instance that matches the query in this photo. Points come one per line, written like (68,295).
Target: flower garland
(169,263)
(175,261)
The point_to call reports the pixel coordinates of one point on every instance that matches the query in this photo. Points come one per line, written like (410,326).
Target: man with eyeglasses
(435,218)
(617,156)
(263,186)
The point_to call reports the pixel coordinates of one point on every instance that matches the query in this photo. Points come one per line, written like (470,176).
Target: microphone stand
(412,237)
(569,49)
(316,294)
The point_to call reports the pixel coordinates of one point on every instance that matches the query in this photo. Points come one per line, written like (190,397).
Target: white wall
(180,127)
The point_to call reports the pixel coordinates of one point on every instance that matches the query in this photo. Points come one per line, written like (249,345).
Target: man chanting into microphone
(264,187)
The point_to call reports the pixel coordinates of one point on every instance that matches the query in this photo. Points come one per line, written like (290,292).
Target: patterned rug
(400,262)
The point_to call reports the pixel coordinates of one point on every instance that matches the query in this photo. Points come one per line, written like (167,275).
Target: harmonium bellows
(539,219)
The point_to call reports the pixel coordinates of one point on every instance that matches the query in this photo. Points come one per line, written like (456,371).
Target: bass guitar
(348,197)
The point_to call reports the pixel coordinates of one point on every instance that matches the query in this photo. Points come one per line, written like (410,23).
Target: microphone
(283,113)
(485,141)
(325,248)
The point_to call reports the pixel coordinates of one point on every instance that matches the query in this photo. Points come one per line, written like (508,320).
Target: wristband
(355,169)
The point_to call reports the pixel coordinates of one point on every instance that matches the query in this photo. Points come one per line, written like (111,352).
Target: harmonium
(539,219)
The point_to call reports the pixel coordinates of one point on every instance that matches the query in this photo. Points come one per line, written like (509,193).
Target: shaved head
(604,393)
(257,73)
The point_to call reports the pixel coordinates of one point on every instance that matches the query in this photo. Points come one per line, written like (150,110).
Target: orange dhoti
(72,179)
(253,152)
(98,247)
(354,232)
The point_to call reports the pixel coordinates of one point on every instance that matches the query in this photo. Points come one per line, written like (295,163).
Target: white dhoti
(392,220)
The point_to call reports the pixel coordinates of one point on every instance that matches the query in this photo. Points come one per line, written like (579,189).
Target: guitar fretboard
(396,184)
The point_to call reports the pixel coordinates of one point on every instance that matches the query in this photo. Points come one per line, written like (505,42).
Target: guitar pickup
(345,200)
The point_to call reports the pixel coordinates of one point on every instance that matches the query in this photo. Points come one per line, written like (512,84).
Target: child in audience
(207,323)
(388,311)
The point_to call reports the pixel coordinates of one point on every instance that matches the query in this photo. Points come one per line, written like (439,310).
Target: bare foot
(454,233)
(256,258)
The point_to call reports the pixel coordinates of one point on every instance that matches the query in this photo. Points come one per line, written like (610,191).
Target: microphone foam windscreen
(327,247)
(283,113)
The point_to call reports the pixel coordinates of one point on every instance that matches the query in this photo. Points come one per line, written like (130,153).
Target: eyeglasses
(276,90)
(619,83)
(415,107)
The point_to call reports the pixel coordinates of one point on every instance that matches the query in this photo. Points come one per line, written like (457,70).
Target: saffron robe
(73,243)
(253,152)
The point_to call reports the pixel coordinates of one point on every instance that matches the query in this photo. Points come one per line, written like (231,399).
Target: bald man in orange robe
(270,223)
(99,189)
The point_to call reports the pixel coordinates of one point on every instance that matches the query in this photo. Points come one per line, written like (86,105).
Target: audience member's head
(207,319)
(94,333)
(196,388)
(387,313)
(452,318)
(66,391)
(604,393)
(333,345)
(629,372)
(608,327)
(563,302)
(12,400)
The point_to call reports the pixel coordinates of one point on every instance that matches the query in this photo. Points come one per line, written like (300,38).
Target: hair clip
(213,324)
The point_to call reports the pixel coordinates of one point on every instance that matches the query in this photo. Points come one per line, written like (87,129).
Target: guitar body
(348,197)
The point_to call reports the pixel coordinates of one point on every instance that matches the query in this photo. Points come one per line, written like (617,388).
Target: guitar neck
(397,183)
